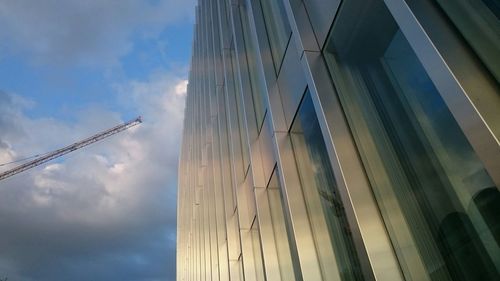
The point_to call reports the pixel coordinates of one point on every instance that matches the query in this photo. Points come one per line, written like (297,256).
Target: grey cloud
(10,107)
(106,212)
(86,32)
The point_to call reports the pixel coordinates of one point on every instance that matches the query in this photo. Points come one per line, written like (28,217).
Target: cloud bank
(107,211)
(101,213)
(90,32)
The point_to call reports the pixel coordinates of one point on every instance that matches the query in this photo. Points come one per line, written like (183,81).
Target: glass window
(278,29)
(259,89)
(324,207)
(437,200)
(479,22)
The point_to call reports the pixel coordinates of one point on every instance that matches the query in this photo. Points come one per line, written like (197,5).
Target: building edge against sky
(341,140)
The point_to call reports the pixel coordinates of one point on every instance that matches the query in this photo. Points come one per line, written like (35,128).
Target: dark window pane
(331,232)
(479,22)
(426,177)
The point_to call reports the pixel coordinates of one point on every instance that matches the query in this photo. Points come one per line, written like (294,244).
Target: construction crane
(67,149)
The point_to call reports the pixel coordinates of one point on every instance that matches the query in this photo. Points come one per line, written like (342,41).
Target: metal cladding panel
(244,200)
(291,83)
(321,14)
(266,148)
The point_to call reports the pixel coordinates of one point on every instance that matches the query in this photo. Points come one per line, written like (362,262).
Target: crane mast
(67,149)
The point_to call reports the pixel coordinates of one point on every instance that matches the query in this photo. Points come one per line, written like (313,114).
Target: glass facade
(331,232)
(385,167)
(423,171)
(479,23)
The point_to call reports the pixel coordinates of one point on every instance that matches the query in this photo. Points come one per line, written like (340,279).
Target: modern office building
(342,140)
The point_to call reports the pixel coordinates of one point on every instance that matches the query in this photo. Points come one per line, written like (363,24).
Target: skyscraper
(342,140)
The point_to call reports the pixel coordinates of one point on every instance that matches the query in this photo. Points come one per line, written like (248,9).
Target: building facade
(342,140)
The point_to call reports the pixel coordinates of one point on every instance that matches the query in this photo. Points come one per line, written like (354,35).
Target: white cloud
(6,153)
(107,211)
(116,197)
(87,32)
(181,88)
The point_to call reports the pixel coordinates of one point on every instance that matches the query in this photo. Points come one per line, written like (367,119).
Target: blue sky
(75,85)
(69,69)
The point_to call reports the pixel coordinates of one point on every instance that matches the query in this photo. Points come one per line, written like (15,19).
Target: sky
(69,69)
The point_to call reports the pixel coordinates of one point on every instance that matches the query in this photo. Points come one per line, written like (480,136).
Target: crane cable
(23,159)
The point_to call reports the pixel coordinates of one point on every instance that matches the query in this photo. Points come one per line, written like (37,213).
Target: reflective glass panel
(440,206)
(479,22)
(332,235)
(278,29)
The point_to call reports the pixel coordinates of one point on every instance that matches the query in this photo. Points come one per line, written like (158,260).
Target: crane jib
(72,147)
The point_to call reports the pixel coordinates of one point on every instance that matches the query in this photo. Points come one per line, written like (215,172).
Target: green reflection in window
(278,29)
(439,204)
(325,209)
